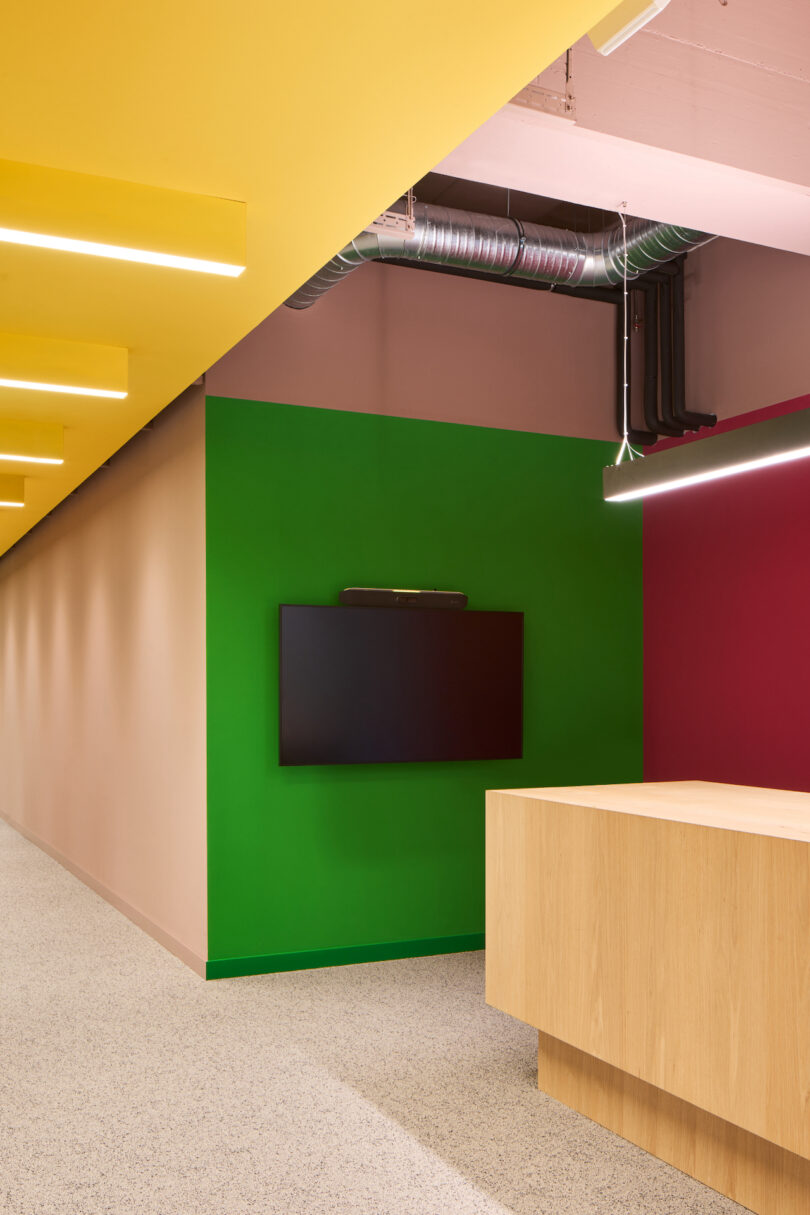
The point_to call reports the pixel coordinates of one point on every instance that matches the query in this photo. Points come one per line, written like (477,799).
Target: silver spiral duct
(493,245)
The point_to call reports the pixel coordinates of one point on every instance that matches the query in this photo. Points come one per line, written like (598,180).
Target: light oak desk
(658,937)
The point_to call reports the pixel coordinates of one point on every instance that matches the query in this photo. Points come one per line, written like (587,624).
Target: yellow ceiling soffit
(30,442)
(314,117)
(12,491)
(50,365)
(100,216)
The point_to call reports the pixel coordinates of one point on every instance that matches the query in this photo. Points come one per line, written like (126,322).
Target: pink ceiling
(703,118)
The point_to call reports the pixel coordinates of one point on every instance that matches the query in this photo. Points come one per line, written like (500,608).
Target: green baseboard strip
(310,959)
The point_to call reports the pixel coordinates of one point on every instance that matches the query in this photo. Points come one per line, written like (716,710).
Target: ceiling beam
(540,154)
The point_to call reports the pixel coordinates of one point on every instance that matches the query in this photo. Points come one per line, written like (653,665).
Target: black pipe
(661,273)
(651,418)
(644,438)
(604,295)
(665,334)
(686,417)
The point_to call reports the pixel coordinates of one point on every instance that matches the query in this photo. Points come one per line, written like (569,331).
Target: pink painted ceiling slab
(728,83)
(544,155)
(703,118)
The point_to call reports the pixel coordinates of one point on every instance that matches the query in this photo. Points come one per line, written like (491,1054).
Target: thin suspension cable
(624,316)
(626,446)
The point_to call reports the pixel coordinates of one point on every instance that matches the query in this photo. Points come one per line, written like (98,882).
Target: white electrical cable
(625,342)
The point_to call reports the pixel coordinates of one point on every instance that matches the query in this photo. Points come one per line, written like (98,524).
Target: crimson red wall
(727,626)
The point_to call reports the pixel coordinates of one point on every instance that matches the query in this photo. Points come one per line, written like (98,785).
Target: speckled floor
(128,1085)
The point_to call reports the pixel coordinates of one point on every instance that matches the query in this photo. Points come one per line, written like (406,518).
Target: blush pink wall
(413,344)
(102,682)
(410,343)
(747,310)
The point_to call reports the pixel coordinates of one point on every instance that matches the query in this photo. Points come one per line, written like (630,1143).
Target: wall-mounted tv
(362,685)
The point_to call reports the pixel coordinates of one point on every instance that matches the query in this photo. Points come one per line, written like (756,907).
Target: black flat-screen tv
(361,685)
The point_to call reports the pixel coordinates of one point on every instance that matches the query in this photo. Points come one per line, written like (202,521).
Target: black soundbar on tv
(377,596)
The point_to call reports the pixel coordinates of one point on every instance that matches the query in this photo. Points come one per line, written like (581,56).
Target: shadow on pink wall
(408,343)
(412,344)
(102,682)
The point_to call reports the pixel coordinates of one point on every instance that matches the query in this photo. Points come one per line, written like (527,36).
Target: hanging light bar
(774,441)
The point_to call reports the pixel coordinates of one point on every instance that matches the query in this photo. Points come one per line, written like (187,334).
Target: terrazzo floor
(128,1086)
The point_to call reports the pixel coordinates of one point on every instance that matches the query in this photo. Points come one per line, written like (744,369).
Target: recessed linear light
(15,504)
(4,455)
(30,441)
(761,445)
(45,364)
(103,217)
(74,389)
(121,253)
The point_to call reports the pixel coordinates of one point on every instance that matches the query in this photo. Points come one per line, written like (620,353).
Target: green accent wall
(337,863)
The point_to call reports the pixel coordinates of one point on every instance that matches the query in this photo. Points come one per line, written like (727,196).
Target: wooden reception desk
(658,937)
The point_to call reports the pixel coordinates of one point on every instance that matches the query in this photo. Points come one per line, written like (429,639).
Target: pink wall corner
(747,314)
(410,343)
(102,681)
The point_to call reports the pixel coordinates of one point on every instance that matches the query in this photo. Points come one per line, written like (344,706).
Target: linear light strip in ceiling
(31,441)
(74,389)
(122,253)
(5,455)
(761,445)
(14,504)
(45,364)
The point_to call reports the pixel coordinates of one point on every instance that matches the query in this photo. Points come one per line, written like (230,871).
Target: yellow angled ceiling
(316,116)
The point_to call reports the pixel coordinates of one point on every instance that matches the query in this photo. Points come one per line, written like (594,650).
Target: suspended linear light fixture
(774,441)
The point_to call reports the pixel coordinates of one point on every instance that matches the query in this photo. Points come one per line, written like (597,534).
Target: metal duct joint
(494,245)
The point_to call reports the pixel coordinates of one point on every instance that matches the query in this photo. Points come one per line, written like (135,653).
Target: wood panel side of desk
(677,953)
(752,1171)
